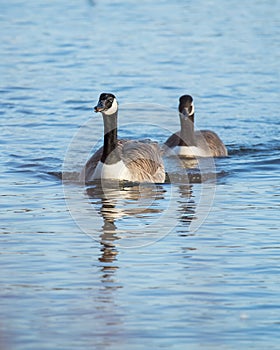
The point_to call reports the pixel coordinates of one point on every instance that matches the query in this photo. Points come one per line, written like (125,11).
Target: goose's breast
(190,151)
(116,171)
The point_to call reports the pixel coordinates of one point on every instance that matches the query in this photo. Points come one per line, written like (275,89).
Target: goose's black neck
(187,136)
(110,153)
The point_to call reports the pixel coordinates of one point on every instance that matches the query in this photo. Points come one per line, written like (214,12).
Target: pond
(188,264)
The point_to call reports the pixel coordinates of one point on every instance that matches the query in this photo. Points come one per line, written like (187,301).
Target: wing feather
(89,168)
(173,140)
(210,140)
(143,159)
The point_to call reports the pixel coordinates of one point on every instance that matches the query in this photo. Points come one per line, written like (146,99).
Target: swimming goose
(189,143)
(137,161)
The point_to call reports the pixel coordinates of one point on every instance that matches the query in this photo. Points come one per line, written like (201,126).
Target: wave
(261,148)
(191,177)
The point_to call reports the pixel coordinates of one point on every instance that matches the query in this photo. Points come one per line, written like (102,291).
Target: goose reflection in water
(140,214)
(126,212)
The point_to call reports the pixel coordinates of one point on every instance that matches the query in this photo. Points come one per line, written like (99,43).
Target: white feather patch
(190,151)
(192,111)
(117,171)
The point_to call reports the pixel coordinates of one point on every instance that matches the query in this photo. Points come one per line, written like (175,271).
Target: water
(186,265)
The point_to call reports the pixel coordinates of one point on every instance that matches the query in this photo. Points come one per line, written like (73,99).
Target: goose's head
(107,104)
(186,106)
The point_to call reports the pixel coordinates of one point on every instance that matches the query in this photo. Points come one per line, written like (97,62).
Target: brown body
(207,141)
(142,159)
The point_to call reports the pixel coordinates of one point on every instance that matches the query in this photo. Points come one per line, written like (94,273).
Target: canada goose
(137,161)
(189,143)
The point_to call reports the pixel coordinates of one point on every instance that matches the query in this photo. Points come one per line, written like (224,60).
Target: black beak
(185,112)
(99,107)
